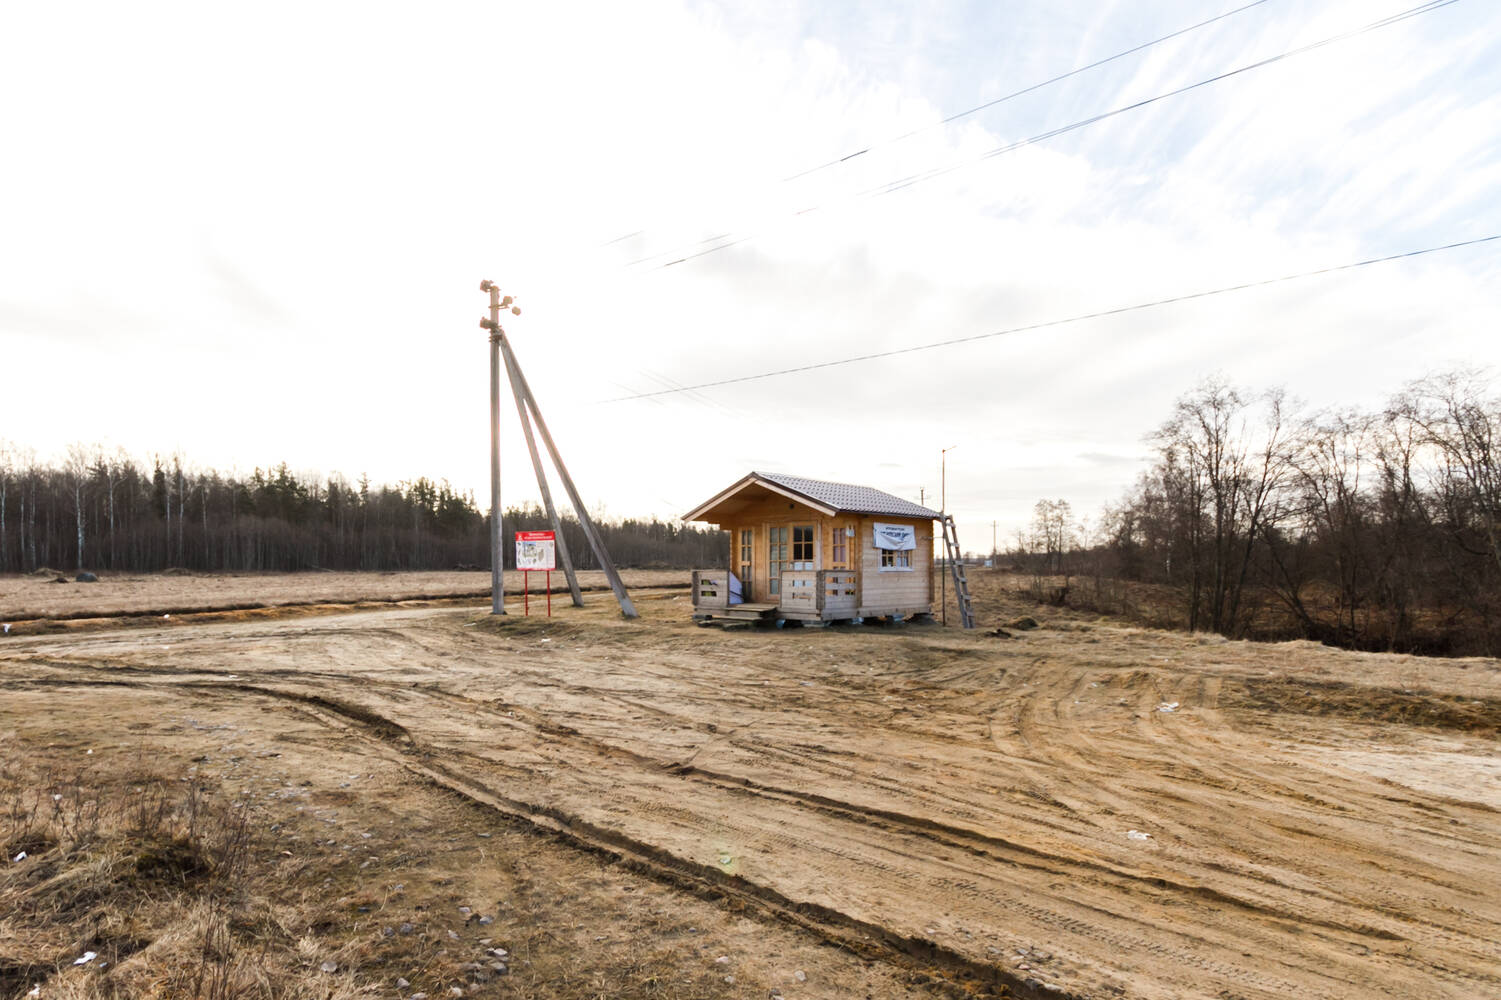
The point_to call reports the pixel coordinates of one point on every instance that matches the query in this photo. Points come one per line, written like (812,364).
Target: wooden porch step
(748,612)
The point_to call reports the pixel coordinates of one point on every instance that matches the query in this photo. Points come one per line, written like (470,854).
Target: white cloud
(257,234)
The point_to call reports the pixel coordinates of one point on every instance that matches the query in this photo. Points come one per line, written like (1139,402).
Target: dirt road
(39,595)
(1085,810)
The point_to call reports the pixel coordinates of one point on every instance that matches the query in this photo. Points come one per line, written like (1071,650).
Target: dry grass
(128,882)
(1264,617)
(200,857)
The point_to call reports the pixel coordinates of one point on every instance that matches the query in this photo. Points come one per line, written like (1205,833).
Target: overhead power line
(956,116)
(912,179)
(897,185)
(1100,314)
(1020,93)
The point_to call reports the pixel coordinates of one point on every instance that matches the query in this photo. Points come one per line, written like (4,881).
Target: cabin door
(776,560)
(747,563)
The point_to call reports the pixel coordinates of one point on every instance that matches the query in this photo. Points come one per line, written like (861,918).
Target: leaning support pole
(552,512)
(595,542)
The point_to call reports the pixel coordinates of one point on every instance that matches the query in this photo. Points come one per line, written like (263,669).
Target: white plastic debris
(88,957)
(1168,706)
(329,966)
(18,857)
(7,628)
(544,640)
(36,990)
(1138,835)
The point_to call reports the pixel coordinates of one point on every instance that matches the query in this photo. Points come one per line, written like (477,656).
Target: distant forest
(107,512)
(1376,529)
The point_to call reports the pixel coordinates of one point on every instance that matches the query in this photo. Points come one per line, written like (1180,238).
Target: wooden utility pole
(497,551)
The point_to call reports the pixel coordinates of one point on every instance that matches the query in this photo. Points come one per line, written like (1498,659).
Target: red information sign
(536,550)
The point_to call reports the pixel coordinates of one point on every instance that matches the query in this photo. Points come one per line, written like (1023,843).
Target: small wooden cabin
(811,550)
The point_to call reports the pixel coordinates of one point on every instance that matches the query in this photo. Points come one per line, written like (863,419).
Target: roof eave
(697,513)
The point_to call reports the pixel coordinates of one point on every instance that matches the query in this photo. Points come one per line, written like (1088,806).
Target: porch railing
(830,593)
(836,593)
(799,591)
(711,589)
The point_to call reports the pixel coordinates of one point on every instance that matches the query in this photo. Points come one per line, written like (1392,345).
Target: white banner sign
(895,536)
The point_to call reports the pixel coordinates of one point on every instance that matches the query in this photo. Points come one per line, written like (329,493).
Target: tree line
(1372,529)
(107,511)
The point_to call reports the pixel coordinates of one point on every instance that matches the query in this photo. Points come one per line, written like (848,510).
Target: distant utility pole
(497,550)
(992,545)
(943,508)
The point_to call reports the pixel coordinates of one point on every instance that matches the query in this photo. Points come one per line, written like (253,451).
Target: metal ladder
(961,582)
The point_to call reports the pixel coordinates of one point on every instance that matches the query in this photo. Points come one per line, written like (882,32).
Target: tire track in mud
(1080,749)
(833,925)
(395,743)
(1096,910)
(958,886)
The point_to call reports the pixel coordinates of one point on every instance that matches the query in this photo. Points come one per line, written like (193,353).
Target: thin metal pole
(552,511)
(497,554)
(595,542)
(943,508)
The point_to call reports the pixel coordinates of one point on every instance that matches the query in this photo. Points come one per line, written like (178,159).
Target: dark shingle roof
(846,497)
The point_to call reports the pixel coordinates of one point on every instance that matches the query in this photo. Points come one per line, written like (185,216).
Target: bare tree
(76,474)
(1221,477)
(6,474)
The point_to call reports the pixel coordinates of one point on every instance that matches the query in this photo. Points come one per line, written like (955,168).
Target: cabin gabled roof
(826,497)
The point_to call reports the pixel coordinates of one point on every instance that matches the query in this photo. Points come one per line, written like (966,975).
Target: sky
(255,233)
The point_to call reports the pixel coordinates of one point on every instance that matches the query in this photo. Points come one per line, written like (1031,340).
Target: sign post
(536,551)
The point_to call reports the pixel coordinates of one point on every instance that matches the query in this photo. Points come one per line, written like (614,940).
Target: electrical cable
(913,179)
(1019,93)
(976,110)
(1118,310)
(897,185)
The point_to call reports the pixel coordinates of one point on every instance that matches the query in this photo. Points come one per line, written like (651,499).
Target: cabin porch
(804,595)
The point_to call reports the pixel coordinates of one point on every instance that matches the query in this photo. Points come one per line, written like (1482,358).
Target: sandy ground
(38,596)
(1084,810)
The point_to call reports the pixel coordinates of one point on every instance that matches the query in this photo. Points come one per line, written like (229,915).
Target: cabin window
(839,552)
(896,559)
(802,546)
(776,559)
